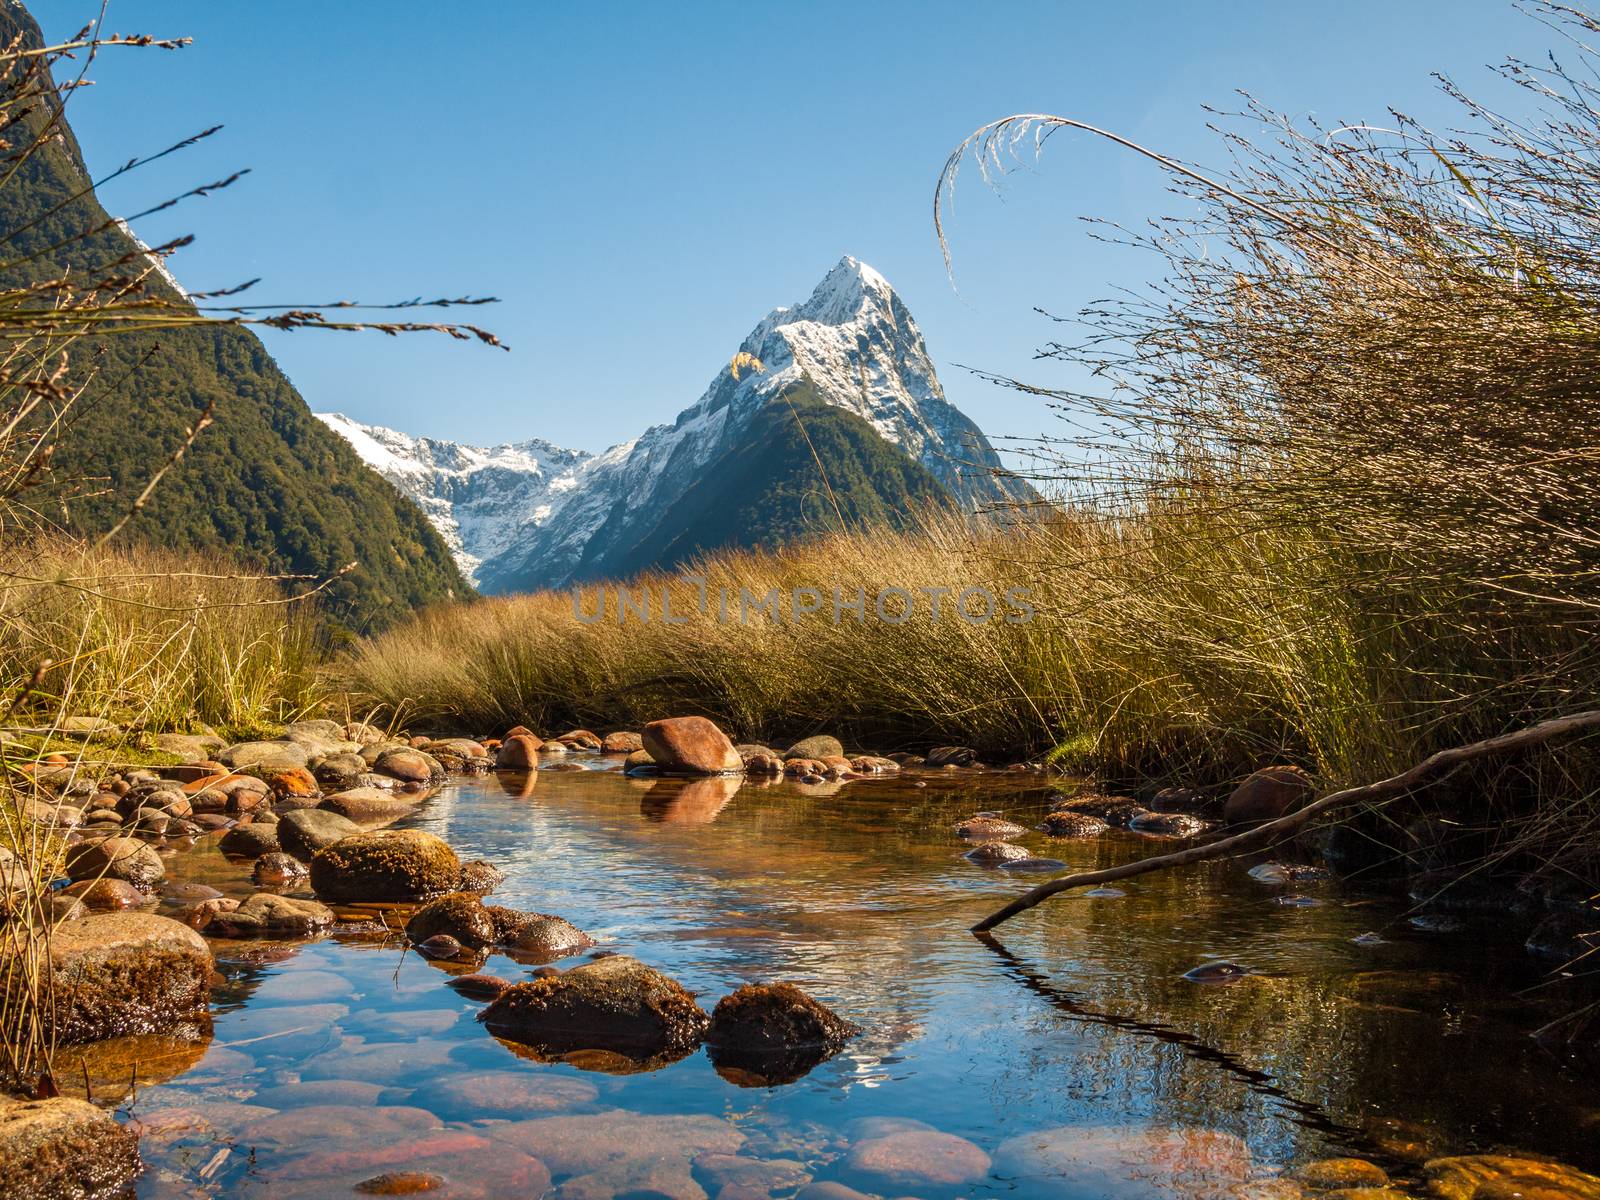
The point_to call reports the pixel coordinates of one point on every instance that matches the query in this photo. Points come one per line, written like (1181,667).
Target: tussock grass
(153,639)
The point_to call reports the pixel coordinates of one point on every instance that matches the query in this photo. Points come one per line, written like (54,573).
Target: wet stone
(479,987)
(1168,824)
(1216,972)
(990,854)
(988,828)
(277,870)
(913,1158)
(1034,866)
(615,1004)
(1503,1177)
(505,1094)
(1068,824)
(1328,1173)
(1122,1163)
(400,1183)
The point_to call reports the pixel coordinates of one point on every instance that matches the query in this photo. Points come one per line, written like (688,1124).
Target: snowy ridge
(529,514)
(477,496)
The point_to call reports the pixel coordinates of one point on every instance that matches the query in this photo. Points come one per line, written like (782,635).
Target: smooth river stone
(505,1093)
(622,1153)
(321,1092)
(394,1063)
(468,1165)
(916,1157)
(338,1125)
(1075,1162)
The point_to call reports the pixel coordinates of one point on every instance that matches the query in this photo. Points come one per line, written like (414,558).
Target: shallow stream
(338,1059)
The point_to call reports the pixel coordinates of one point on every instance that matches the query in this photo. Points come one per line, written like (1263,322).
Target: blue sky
(640,183)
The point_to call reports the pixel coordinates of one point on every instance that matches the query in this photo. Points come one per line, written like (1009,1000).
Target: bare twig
(1370,793)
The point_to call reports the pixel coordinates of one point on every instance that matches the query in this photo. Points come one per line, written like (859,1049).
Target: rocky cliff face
(550,517)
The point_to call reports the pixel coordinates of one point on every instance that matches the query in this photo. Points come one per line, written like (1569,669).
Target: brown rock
(537,937)
(991,854)
(108,895)
(64,1149)
(1270,793)
(293,781)
(269,915)
(1073,825)
(386,865)
(774,1032)
(615,1003)
(368,806)
(480,987)
(408,766)
(692,745)
(1122,1163)
(250,841)
(276,870)
(460,915)
(988,828)
(519,752)
(917,1157)
(621,743)
(129,972)
(613,1154)
(1500,1177)
(121,858)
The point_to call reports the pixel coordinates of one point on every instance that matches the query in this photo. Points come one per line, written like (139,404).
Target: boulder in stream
(63,1149)
(692,745)
(385,865)
(773,1033)
(614,1004)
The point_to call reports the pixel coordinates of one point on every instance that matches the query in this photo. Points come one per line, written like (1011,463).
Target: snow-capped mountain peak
(477,496)
(529,514)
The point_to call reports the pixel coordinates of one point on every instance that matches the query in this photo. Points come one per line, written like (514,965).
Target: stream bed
(1067,1056)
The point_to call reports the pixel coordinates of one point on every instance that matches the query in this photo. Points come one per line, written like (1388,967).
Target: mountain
(476,496)
(268,485)
(846,363)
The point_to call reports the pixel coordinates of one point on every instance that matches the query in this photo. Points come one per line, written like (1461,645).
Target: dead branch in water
(1383,789)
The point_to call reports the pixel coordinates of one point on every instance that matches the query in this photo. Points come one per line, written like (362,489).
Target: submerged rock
(615,1003)
(950,756)
(774,1031)
(1113,810)
(918,1158)
(386,865)
(1270,793)
(1493,1176)
(64,1149)
(1075,1161)
(692,745)
(1034,866)
(128,972)
(618,1153)
(1328,1173)
(506,1093)
(107,895)
(1216,972)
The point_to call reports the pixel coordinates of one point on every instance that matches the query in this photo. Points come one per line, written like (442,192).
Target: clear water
(1077,1015)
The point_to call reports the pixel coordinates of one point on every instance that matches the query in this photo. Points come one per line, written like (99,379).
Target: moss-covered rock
(128,972)
(64,1149)
(385,865)
(537,937)
(616,1004)
(269,915)
(775,1032)
(460,915)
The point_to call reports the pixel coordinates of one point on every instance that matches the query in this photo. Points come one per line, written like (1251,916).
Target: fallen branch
(1383,789)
